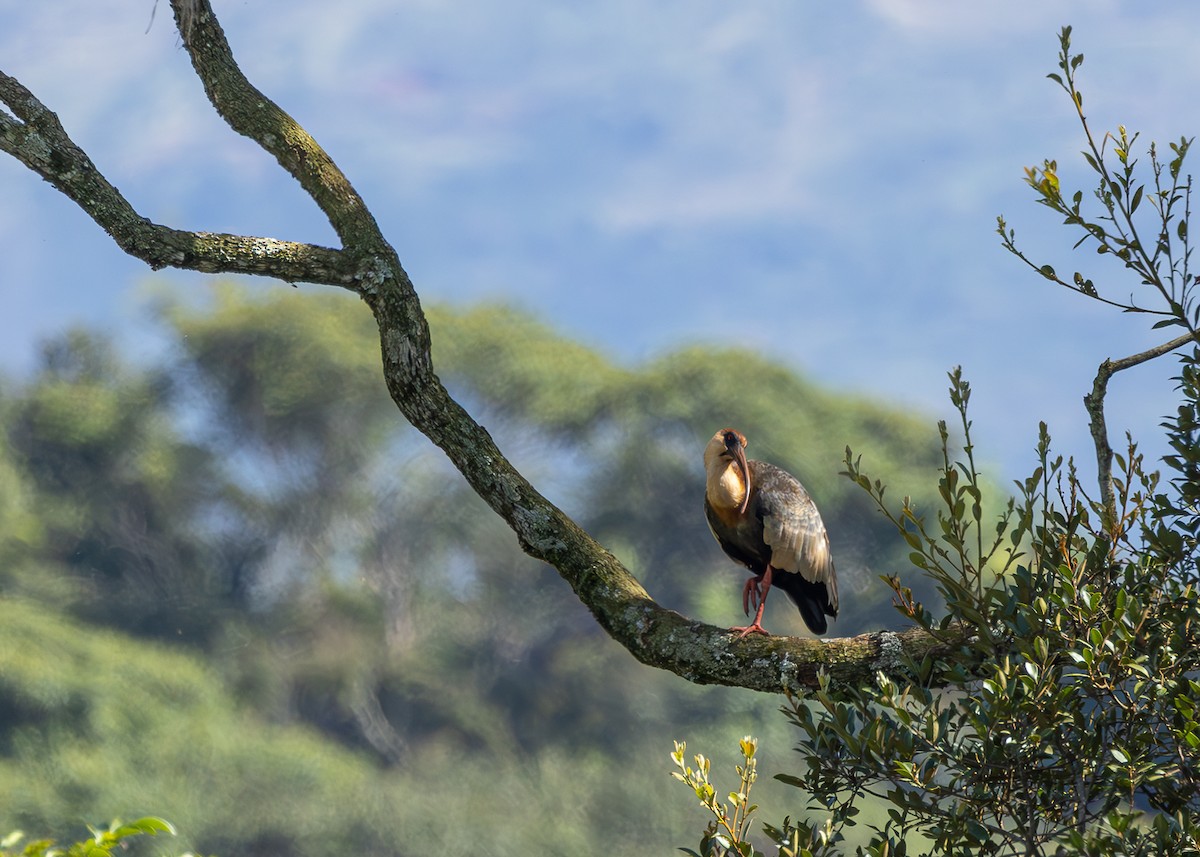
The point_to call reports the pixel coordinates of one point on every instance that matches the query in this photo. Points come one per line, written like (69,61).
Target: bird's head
(729,446)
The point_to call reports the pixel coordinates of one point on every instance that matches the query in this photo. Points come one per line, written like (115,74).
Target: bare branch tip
(187,12)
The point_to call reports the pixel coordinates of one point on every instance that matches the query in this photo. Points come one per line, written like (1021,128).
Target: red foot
(751,629)
(755,591)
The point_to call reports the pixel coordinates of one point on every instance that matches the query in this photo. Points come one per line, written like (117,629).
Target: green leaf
(149,824)
(1137,199)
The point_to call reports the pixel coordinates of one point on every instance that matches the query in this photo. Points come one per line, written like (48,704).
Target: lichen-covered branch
(368,265)
(34,136)
(251,113)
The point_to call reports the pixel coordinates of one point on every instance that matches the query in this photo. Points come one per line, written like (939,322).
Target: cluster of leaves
(1161,262)
(1174,532)
(728,831)
(100,844)
(1065,716)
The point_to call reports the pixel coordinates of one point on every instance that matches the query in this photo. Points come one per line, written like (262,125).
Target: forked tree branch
(34,136)
(368,265)
(1094,402)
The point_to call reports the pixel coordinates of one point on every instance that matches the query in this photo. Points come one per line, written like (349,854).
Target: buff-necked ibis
(764,519)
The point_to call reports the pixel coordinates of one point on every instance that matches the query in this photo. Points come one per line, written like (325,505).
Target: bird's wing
(793,528)
(742,547)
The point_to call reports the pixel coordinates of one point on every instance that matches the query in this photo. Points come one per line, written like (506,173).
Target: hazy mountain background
(817,182)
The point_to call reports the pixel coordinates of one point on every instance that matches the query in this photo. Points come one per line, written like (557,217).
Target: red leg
(761,586)
(751,594)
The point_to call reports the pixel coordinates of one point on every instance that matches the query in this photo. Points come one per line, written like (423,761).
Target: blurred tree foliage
(240,593)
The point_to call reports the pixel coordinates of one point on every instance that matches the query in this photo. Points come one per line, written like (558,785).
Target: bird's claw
(756,628)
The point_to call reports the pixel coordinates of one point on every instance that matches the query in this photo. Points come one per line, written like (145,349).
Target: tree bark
(369,266)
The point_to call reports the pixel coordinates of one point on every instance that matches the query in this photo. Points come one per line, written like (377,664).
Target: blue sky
(815,180)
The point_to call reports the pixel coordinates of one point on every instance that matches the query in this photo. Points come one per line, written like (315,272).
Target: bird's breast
(725,489)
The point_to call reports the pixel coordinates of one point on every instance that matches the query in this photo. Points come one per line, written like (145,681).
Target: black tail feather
(811,598)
